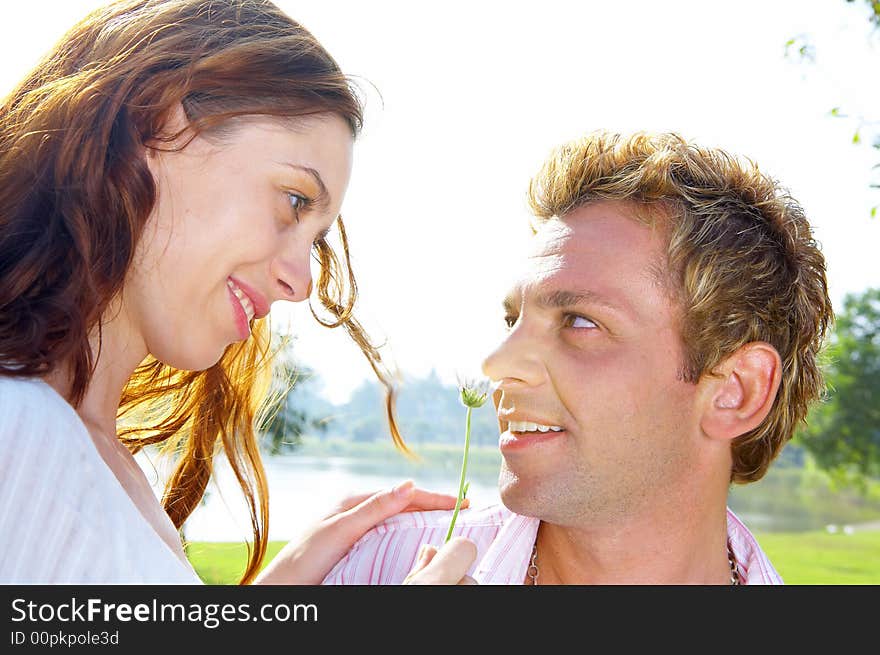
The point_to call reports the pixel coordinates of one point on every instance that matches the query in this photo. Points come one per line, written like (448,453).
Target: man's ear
(742,392)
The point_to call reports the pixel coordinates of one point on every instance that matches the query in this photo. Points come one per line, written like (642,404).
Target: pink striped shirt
(386,554)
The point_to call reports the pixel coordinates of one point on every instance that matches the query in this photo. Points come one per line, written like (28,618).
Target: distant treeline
(428,411)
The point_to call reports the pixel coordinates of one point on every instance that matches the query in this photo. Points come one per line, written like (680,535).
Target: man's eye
(510,321)
(581,322)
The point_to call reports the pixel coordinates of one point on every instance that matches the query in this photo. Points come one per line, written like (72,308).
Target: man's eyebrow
(323,197)
(560,298)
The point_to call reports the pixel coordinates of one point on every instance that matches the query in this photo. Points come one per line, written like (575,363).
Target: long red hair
(75,193)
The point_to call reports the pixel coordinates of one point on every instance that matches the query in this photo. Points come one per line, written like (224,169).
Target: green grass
(224,562)
(821,558)
(805,558)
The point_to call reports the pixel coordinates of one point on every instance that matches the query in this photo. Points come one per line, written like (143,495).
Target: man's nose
(516,362)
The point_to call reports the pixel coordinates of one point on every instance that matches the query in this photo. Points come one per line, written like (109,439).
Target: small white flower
(474,392)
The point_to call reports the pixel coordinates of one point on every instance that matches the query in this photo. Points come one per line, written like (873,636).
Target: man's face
(593,349)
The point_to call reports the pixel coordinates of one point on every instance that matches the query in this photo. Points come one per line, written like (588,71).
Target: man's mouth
(527,426)
(524,435)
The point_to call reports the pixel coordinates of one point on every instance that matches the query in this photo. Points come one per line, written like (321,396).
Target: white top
(64,517)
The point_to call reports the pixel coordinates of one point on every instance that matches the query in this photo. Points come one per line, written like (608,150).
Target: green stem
(461,487)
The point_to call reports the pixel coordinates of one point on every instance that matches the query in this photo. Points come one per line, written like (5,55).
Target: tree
(874,7)
(865,125)
(863,122)
(843,433)
(300,410)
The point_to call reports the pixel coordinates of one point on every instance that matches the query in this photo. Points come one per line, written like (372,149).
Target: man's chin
(518,495)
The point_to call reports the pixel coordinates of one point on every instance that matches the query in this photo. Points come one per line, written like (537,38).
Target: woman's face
(231,232)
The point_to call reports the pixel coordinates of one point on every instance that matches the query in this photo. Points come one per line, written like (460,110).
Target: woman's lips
(261,305)
(241,322)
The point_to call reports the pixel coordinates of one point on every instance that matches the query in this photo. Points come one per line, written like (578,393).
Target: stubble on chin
(561,501)
(525,497)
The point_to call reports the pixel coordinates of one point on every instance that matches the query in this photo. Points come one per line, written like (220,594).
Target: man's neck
(689,549)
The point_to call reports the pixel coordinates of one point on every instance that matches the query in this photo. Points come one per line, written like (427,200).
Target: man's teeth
(246,303)
(526,426)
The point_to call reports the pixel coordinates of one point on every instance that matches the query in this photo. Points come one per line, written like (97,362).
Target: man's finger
(450,565)
(425,555)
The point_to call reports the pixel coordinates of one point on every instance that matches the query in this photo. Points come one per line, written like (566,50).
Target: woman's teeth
(526,426)
(246,303)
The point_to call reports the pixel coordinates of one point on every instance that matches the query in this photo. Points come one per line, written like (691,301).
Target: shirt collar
(507,558)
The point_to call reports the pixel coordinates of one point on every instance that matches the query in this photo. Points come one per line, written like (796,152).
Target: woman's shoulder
(37,425)
(46,463)
(63,516)
(31,409)
(31,401)
(14,388)
(47,478)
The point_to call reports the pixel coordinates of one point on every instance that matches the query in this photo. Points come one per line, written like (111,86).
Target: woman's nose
(291,273)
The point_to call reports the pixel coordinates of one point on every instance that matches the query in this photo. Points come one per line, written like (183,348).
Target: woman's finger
(422,500)
(309,560)
(375,509)
(348,503)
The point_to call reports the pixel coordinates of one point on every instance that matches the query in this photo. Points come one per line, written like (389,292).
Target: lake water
(302,490)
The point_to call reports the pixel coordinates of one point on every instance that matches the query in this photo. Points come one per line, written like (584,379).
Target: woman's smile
(242,309)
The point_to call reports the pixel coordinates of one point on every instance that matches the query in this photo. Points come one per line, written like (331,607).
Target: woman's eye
(298,203)
(581,322)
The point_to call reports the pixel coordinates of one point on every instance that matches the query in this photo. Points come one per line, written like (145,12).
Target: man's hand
(448,565)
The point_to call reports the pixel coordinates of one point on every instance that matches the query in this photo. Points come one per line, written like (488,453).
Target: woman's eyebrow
(323,197)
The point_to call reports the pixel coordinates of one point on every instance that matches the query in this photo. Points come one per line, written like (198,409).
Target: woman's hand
(309,560)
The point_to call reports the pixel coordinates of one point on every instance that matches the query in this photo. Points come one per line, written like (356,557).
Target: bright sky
(475,94)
